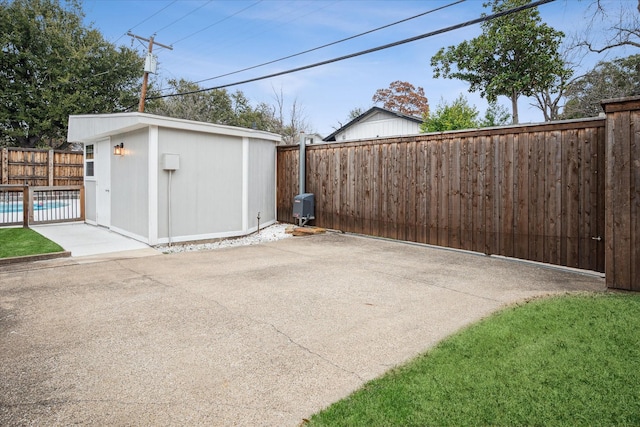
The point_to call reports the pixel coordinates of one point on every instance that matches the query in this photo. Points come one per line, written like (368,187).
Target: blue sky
(211,38)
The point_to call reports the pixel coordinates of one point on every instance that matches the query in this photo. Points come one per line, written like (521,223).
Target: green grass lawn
(570,360)
(24,241)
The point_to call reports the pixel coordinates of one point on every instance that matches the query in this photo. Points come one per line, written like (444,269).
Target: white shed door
(102,169)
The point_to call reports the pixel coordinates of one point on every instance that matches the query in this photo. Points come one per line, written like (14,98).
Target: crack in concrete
(435,285)
(308,350)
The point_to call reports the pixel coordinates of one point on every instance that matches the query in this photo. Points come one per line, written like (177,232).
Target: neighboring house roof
(313,138)
(91,127)
(378,114)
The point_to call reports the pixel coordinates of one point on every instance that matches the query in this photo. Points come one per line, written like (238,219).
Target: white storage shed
(160,180)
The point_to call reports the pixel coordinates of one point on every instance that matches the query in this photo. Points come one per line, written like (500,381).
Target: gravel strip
(268,234)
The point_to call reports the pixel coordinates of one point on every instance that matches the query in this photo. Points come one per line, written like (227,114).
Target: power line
(255,32)
(375,49)
(216,23)
(332,43)
(183,16)
(145,20)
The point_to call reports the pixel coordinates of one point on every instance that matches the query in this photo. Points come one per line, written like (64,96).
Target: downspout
(303,163)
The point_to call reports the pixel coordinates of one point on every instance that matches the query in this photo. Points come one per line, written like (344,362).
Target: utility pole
(149,65)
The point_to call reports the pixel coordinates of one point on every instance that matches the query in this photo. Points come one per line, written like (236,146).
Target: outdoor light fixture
(118,150)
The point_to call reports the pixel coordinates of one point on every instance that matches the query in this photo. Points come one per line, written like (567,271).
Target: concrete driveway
(257,335)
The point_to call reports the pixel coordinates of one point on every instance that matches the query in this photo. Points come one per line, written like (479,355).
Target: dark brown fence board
(599,207)
(478,196)
(571,209)
(622,199)
(634,134)
(521,196)
(434,187)
(622,190)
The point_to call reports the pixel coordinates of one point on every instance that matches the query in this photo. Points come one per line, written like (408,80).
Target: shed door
(102,168)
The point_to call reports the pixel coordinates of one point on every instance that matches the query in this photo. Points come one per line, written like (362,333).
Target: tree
(52,66)
(355,113)
(622,27)
(404,98)
(608,79)
(457,115)
(213,106)
(496,115)
(290,125)
(516,55)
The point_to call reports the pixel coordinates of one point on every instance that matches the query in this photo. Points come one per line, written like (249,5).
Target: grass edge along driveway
(568,360)
(15,242)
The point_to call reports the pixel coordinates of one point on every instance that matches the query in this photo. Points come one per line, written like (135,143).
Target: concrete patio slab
(82,239)
(255,335)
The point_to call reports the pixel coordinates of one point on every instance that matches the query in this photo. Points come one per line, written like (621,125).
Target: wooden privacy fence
(536,192)
(622,193)
(24,166)
(527,192)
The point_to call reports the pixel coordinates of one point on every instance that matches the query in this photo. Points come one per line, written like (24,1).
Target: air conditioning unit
(304,206)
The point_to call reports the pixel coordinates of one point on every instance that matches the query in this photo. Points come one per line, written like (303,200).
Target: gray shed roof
(91,127)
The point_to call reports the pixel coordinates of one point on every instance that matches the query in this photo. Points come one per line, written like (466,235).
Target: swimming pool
(37,206)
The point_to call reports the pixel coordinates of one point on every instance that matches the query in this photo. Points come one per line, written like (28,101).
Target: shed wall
(130,184)
(206,191)
(262,183)
(90,201)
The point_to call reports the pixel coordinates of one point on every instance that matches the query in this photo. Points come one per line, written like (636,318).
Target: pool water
(38,206)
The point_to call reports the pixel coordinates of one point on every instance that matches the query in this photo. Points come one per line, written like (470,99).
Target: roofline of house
(332,137)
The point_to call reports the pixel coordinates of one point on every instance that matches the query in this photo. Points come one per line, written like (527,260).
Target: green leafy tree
(515,55)
(261,117)
(457,115)
(496,115)
(52,66)
(608,79)
(355,112)
(212,106)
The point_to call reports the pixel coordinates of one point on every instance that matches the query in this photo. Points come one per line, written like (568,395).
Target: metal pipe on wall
(303,163)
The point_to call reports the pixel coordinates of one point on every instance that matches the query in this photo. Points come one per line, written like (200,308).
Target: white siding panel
(206,190)
(130,184)
(262,186)
(379,126)
(90,201)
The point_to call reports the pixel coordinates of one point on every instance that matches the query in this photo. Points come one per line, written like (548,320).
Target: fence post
(622,193)
(82,213)
(50,168)
(26,203)
(4,166)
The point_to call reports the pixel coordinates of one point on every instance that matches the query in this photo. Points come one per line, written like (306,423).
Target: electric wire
(254,34)
(483,18)
(332,43)
(145,20)
(163,89)
(183,16)
(216,23)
